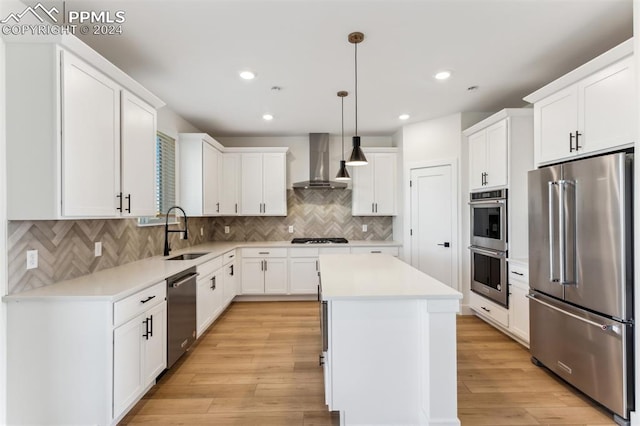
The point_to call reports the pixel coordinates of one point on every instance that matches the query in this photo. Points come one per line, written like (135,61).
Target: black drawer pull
(147,299)
(485,309)
(518,273)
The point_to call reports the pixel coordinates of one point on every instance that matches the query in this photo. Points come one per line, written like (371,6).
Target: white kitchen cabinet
(518,302)
(230,277)
(488,157)
(263,183)
(199,156)
(489,310)
(229,184)
(75,112)
(209,293)
(374,185)
(138,142)
(303,270)
(264,271)
(588,111)
(392,251)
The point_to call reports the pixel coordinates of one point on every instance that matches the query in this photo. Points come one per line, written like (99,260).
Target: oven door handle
(488,252)
(489,203)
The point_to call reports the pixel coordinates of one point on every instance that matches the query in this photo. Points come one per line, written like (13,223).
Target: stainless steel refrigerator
(581,276)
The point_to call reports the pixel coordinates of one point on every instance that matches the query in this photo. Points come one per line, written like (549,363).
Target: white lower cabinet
(518,302)
(209,293)
(264,271)
(489,310)
(86,360)
(230,277)
(303,272)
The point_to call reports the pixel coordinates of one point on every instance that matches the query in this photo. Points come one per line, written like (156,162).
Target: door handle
(445,244)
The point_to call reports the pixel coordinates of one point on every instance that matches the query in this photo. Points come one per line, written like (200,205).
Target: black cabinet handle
(265,266)
(445,244)
(146,328)
(518,273)
(213,282)
(217,207)
(128,197)
(488,310)
(231,270)
(577,140)
(119,196)
(147,299)
(571,142)
(236,207)
(150,325)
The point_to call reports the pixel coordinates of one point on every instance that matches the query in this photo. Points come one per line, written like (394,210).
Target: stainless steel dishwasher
(181,314)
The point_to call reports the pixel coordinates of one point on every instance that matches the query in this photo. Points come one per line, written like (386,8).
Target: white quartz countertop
(119,282)
(377,276)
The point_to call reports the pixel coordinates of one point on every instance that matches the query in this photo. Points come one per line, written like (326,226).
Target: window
(165,179)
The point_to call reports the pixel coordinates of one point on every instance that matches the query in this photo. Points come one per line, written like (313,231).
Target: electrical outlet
(291,229)
(364,228)
(227,229)
(202,231)
(32,259)
(98,249)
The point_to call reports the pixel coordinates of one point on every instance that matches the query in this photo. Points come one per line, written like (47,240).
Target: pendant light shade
(357,156)
(343,174)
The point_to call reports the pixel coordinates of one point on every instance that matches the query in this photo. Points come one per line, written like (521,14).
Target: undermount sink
(187,256)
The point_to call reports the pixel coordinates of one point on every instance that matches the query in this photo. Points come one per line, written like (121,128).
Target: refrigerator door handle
(603,327)
(567,232)
(562,228)
(552,233)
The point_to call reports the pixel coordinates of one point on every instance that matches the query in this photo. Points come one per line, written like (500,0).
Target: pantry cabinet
(263,183)
(200,159)
(374,185)
(588,111)
(92,127)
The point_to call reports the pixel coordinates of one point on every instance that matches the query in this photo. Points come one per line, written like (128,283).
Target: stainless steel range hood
(319,165)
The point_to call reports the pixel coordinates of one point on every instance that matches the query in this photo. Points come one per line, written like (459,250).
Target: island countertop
(375,276)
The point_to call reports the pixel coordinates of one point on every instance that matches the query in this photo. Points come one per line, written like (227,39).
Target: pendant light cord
(342,100)
(356,68)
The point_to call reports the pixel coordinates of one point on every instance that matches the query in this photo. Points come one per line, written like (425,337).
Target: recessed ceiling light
(267,117)
(442,75)
(247,75)
(404,116)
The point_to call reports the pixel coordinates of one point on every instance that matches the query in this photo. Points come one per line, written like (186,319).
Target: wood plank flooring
(258,365)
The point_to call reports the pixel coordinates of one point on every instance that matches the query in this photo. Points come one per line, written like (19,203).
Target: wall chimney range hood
(319,165)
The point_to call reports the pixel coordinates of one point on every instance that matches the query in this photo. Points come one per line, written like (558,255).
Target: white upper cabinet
(200,162)
(229,184)
(588,111)
(138,142)
(264,183)
(374,185)
(80,135)
(488,157)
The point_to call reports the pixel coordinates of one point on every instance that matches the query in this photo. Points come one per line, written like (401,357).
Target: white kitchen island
(389,342)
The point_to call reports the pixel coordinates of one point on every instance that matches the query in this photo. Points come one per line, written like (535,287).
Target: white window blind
(165,179)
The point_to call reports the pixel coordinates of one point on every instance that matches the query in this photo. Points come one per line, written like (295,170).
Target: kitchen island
(389,342)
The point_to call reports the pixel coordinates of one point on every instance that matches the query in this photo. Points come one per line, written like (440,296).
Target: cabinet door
(138,156)
(363,189)
(606,103)
(127,364)
(90,141)
(275,276)
(555,119)
(230,283)
(384,183)
(210,179)
(497,157)
(218,292)
(251,184)
(303,273)
(155,344)
(519,312)
(274,189)
(229,184)
(477,160)
(205,303)
(253,276)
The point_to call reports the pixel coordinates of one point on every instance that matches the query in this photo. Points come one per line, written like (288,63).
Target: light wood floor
(258,365)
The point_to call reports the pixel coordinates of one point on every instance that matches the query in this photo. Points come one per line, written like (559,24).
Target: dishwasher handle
(184,280)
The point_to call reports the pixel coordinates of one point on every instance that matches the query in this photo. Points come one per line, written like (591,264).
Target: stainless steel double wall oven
(489,245)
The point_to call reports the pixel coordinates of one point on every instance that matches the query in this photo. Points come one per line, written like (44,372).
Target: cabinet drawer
(125,309)
(304,252)
(518,273)
(487,308)
(228,257)
(393,251)
(264,252)
(210,266)
(335,250)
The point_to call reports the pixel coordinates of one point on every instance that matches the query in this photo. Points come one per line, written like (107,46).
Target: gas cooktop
(319,241)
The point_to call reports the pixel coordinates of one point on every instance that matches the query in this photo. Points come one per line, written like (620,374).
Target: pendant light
(343,174)
(357,156)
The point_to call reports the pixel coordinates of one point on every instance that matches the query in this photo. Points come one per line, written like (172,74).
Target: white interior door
(433,250)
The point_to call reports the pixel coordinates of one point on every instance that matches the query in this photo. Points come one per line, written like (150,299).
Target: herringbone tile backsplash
(66,247)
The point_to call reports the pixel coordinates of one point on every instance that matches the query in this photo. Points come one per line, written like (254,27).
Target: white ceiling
(189,54)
